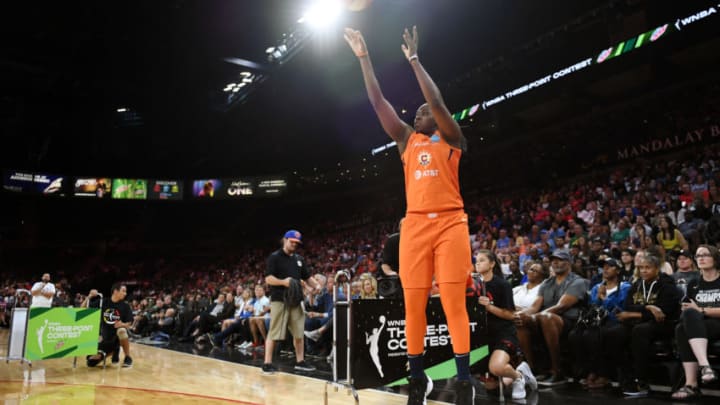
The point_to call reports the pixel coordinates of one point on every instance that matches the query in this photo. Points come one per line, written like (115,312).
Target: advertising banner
(49,184)
(18,182)
(62,332)
(129,189)
(207,188)
(165,190)
(379,347)
(92,187)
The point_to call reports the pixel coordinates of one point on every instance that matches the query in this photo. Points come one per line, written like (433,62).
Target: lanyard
(646,296)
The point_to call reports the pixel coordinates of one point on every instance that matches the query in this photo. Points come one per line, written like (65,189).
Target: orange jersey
(431,174)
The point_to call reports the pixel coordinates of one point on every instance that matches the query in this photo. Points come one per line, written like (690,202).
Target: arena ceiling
(67,68)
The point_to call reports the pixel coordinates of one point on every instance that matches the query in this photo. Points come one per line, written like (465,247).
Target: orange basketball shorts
(434,244)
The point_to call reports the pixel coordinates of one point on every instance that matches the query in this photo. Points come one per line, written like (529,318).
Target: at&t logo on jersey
(424,158)
(419,174)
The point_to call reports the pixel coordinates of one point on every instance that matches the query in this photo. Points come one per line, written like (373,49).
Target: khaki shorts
(283,319)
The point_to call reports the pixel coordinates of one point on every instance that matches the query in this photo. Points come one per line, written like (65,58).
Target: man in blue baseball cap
(285,269)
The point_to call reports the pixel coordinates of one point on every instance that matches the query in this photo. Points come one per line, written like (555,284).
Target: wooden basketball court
(161,375)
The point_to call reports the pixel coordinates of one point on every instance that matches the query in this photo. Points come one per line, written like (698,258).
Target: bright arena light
(322,13)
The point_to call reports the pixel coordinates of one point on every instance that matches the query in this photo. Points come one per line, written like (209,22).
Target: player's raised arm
(398,130)
(449,128)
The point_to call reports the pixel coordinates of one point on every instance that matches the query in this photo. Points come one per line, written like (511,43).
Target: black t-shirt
(500,293)
(704,293)
(280,265)
(111,313)
(391,252)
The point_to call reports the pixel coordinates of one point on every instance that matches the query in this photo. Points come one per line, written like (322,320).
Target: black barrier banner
(379,347)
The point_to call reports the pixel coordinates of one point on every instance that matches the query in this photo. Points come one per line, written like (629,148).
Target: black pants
(109,345)
(591,351)
(640,337)
(206,323)
(694,325)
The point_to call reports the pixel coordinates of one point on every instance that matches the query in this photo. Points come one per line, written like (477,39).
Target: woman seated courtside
(591,350)
(699,323)
(651,309)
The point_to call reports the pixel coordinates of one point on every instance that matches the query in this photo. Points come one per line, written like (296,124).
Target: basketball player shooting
(434,239)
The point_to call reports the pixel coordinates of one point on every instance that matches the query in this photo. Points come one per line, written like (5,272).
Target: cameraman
(388,280)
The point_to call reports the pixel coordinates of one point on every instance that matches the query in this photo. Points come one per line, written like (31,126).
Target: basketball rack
(18,332)
(342,372)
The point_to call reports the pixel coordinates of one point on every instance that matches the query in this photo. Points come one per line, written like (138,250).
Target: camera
(390,287)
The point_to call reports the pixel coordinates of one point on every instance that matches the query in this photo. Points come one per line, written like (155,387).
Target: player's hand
(287,281)
(410,47)
(356,41)
(93,293)
(484,301)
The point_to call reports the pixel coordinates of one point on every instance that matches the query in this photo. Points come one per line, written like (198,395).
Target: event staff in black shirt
(116,319)
(285,269)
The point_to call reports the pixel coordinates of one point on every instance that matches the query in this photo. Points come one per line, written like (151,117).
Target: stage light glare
(323,13)
(122,110)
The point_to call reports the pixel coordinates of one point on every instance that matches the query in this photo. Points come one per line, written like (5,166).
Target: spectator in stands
(524,295)
(43,292)
(238,324)
(651,307)
(627,261)
(193,329)
(261,313)
(515,278)
(699,323)
(692,228)
(641,228)
(552,314)
(665,266)
(164,324)
(686,270)
(319,315)
(369,287)
(669,237)
(622,232)
(590,349)
(496,297)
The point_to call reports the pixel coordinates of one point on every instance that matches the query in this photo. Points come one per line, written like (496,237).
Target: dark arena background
(169,145)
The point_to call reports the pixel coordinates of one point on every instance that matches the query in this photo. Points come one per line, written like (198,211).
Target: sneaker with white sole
(530,379)
(303,366)
(313,335)
(518,388)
